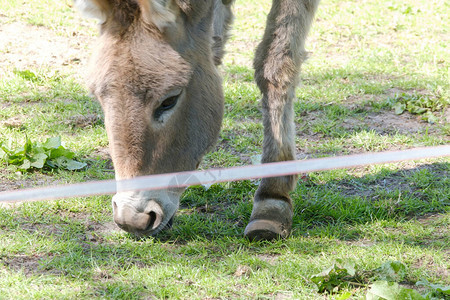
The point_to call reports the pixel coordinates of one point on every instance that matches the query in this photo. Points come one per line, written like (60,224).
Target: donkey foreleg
(223,17)
(277,65)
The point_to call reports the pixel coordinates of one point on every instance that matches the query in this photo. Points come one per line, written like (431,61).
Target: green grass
(364,57)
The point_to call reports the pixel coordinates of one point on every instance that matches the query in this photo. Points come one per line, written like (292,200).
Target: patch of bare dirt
(23,182)
(387,122)
(14,122)
(28,264)
(268,258)
(243,270)
(93,232)
(24,46)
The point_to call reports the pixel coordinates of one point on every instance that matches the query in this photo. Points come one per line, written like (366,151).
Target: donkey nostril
(145,221)
(148,221)
(152,220)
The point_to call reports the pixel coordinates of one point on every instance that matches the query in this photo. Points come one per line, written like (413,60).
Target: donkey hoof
(271,219)
(258,230)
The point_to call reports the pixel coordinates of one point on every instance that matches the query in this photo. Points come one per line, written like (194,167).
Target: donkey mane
(124,11)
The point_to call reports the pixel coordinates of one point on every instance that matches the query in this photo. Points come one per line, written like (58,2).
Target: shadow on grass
(389,195)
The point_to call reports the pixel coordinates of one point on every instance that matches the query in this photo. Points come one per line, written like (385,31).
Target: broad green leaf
(38,149)
(60,151)
(420,105)
(20,151)
(441,289)
(51,163)
(399,108)
(38,160)
(417,110)
(72,165)
(349,266)
(391,291)
(409,294)
(58,162)
(69,164)
(52,143)
(26,164)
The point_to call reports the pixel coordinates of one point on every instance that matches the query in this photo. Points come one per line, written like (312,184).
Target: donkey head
(153,73)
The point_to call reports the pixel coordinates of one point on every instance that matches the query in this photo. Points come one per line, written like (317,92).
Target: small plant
(435,291)
(419,105)
(335,277)
(382,281)
(50,154)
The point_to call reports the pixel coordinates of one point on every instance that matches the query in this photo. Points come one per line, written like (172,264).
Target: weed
(35,155)
(344,273)
(420,105)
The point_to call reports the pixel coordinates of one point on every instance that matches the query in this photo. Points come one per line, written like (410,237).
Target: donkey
(154,72)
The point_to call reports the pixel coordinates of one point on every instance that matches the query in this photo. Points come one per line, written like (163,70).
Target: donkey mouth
(140,216)
(149,232)
(145,225)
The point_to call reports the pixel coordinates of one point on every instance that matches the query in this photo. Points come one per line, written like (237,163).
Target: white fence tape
(184,179)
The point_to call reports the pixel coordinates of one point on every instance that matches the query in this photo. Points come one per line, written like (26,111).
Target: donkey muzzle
(136,215)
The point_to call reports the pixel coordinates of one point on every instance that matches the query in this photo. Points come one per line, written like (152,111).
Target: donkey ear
(95,9)
(162,13)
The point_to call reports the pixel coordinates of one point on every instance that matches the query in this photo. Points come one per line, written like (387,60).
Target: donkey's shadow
(223,210)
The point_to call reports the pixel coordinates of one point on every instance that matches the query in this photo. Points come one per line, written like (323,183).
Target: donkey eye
(169,102)
(166,105)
